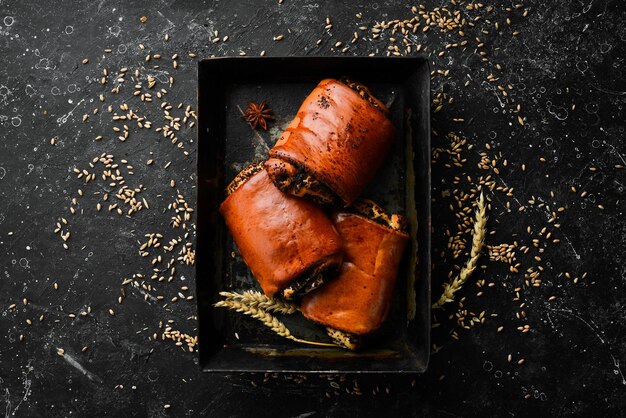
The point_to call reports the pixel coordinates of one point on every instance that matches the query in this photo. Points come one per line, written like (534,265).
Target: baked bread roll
(332,148)
(357,302)
(288,243)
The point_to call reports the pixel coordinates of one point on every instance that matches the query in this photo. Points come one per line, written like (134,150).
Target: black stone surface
(566,70)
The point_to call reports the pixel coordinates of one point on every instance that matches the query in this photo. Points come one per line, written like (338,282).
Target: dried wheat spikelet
(478,239)
(266,319)
(259,300)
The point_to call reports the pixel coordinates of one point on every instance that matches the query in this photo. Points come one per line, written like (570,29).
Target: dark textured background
(567,53)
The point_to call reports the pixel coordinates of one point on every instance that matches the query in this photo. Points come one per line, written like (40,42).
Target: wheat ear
(478,239)
(266,319)
(259,300)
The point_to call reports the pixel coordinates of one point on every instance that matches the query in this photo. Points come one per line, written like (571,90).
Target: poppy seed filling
(294,179)
(243,176)
(376,213)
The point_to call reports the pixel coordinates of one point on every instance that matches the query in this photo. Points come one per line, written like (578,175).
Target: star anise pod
(258,114)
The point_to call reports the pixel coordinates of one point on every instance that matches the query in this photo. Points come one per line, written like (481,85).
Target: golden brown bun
(337,137)
(280,237)
(358,300)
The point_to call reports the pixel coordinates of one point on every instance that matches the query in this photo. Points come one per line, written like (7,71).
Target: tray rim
(419,59)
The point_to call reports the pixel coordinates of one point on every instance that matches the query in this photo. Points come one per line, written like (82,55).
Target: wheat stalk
(259,300)
(266,319)
(478,239)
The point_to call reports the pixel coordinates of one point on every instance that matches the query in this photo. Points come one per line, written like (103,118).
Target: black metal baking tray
(229,341)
